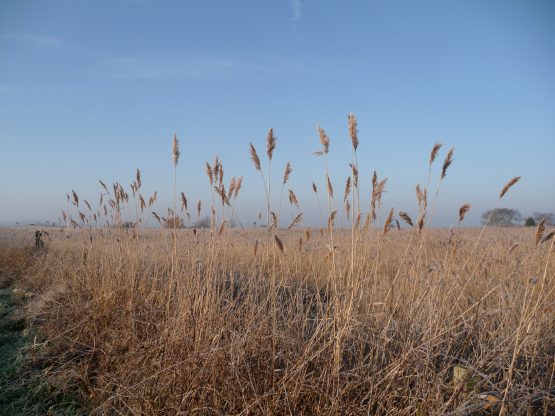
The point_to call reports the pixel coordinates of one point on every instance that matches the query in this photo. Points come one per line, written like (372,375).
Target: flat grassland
(241,322)
(387,317)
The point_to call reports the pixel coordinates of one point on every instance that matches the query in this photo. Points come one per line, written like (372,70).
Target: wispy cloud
(297,10)
(35,40)
(196,68)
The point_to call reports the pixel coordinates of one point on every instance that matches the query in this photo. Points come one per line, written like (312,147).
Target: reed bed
(390,318)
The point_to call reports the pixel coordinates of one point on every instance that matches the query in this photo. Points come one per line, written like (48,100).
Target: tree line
(507,217)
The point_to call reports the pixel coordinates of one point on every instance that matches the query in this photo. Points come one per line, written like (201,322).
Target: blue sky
(94,89)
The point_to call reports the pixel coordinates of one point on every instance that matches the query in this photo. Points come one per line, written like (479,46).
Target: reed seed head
(540,230)
(270,143)
(508,186)
(279,243)
(433,153)
(287,173)
(388,220)
(324,140)
(175,150)
(447,162)
(463,210)
(254,157)
(406,217)
(347,189)
(353,130)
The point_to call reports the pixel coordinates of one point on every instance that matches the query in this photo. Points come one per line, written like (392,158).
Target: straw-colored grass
(367,320)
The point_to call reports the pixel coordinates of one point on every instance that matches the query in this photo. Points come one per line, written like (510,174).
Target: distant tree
(549,217)
(501,217)
(529,222)
(202,223)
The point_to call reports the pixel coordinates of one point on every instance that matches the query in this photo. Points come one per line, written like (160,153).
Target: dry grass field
(388,319)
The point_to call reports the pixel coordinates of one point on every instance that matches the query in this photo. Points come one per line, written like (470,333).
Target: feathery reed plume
(307,233)
(406,217)
(540,230)
(295,221)
(348,209)
(421,221)
(548,237)
(353,131)
(231,189)
(175,150)
(157,217)
(355,174)
(279,244)
(138,179)
(378,188)
(238,185)
(75,198)
(254,157)
(422,197)
(87,204)
(463,210)
(199,207)
(387,223)
(324,140)
(183,202)
(216,167)
(508,186)
(331,219)
(221,174)
(270,144)
(293,198)
(209,173)
(357,222)
(222,227)
(287,172)
(434,151)
(330,188)
(274,219)
(142,203)
(103,185)
(152,199)
(314,188)
(347,189)
(447,162)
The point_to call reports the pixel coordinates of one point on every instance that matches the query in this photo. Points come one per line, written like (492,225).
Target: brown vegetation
(369,320)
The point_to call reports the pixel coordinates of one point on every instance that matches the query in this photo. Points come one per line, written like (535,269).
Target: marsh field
(387,317)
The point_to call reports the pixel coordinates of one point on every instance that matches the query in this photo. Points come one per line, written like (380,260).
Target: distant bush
(529,222)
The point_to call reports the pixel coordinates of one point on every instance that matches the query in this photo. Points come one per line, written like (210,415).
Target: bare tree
(501,217)
(549,217)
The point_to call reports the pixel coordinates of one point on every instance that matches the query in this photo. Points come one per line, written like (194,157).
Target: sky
(94,89)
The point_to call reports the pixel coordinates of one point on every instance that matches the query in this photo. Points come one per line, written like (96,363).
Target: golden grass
(365,320)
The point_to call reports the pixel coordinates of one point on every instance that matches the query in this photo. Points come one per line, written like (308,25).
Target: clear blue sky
(94,89)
